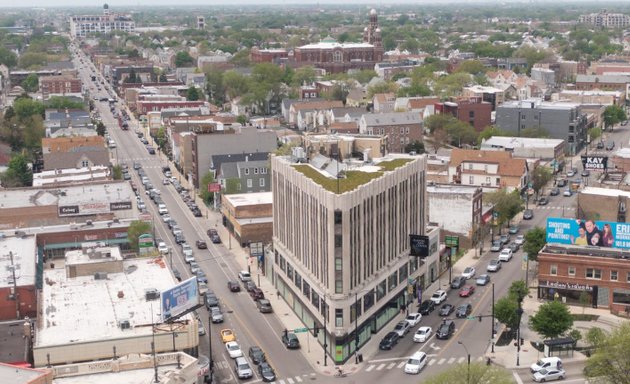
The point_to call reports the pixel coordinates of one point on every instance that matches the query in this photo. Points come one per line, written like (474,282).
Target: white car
(438,296)
(469,272)
(413,318)
(162,248)
(244,276)
(505,255)
(422,334)
(234,350)
(416,363)
(166,218)
(520,240)
(547,374)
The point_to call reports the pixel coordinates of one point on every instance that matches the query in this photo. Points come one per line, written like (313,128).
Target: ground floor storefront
(596,296)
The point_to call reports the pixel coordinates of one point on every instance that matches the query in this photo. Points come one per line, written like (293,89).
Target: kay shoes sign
(595,163)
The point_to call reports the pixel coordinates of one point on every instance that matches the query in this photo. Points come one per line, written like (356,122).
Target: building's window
(249,183)
(522,117)
(628,277)
(413,263)
(240,186)
(283,264)
(255,171)
(592,273)
(393,281)
(403,272)
(263,170)
(306,290)
(298,281)
(338,241)
(368,300)
(289,271)
(571,271)
(85,163)
(488,180)
(614,275)
(315,299)
(471,114)
(498,181)
(262,182)
(381,290)
(402,130)
(337,57)
(338,217)
(485,167)
(338,317)
(339,286)
(470,166)
(621,296)
(471,179)
(553,270)
(338,264)
(407,130)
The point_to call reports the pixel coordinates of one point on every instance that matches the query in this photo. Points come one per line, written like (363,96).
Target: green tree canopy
(31,83)
(540,177)
(489,132)
(595,133)
(100,128)
(27,107)
(613,114)
(505,310)
(235,84)
(183,59)
(193,94)
(18,173)
(382,87)
(506,204)
(117,172)
(61,102)
(610,361)
(206,196)
(535,240)
(7,57)
(552,319)
(477,373)
(137,228)
(33,60)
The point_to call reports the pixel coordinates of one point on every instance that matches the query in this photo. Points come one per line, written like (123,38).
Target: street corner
(339,370)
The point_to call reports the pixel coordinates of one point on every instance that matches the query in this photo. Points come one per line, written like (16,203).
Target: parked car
(242,368)
(233,349)
(201,277)
(201,244)
(215,239)
(520,239)
(585,173)
(227,335)
(600,145)
(567,193)
(548,374)
(446,309)
(457,282)
(514,247)
(514,229)
(483,279)
(257,294)
(426,307)
(244,276)
(402,328)
(494,265)
(562,183)
(211,300)
(256,354)
(216,315)
(264,306)
(249,285)
(422,334)
(463,310)
(389,341)
(610,145)
(505,255)
(467,291)
(571,172)
(528,214)
(266,372)
(438,296)
(468,273)
(413,319)
(446,329)
(504,239)
(162,248)
(543,201)
(496,246)
(290,340)
(554,191)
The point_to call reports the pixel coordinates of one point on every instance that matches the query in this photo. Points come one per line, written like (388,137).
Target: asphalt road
(240,313)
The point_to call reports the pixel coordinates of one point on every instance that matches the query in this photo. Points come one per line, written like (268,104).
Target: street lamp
(467,353)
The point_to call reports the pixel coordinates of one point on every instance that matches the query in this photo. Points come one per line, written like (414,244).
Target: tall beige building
(341,234)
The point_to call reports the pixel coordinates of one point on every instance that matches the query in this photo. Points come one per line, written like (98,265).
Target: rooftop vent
(124,324)
(100,276)
(151,294)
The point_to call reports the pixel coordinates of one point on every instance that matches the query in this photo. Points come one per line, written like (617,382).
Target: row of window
(263,171)
(589,273)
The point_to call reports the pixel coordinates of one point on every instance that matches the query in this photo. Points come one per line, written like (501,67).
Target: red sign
(214,187)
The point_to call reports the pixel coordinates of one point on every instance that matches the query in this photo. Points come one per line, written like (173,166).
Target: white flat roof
(83,309)
(136,376)
(449,188)
(24,252)
(604,192)
(514,142)
(244,199)
(538,103)
(331,45)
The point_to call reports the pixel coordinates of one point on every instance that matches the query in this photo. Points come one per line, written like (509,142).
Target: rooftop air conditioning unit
(124,324)
(100,276)
(151,294)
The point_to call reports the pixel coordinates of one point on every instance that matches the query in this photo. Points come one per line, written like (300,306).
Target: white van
(547,363)
(416,362)
(111,144)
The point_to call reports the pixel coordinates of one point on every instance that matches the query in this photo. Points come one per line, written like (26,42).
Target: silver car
(494,265)
(547,374)
(216,315)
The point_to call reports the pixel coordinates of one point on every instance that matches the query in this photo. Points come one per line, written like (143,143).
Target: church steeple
(372,33)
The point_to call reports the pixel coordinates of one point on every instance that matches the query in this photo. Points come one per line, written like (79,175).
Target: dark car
(554,191)
(266,372)
(562,183)
(216,239)
(256,354)
(543,201)
(211,300)
(257,293)
(234,286)
(514,247)
(290,340)
(389,341)
(446,329)
(177,274)
(201,277)
(463,310)
(211,232)
(446,309)
(179,239)
(610,145)
(201,244)
(151,150)
(426,307)
(528,214)
(249,285)
(264,306)
(600,145)
(458,282)
(197,212)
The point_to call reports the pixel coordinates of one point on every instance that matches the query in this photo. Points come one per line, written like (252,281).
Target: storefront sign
(595,163)
(561,285)
(120,206)
(68,210)
(419,245)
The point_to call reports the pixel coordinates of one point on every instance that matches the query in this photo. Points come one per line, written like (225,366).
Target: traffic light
(522,341)
(480,319)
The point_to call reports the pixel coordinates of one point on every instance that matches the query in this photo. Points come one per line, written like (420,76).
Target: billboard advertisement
(595,163)
(588,232)
(179,299)
(419,245)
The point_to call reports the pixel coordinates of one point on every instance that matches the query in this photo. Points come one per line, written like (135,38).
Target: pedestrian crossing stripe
(451,360)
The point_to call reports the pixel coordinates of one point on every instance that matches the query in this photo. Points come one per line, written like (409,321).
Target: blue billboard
(588,232)
(179,299)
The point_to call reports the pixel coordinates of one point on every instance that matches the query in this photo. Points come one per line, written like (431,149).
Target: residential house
(249,176)
(401,128)
(357,97)
(312,108)
(69,122)
(59,85)
(487,169)
(74,152)
(384,102)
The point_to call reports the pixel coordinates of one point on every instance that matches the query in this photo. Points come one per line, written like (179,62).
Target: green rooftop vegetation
(350,180)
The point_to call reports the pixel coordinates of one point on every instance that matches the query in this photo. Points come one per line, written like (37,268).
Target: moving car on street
(438,296)
(422,334)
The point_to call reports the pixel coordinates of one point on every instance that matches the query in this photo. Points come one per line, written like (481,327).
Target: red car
(467,291)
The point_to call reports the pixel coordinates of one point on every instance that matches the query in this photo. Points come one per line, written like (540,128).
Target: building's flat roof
(245,199)
(526,104)
(604,192)
(515,142)
(256,220)
(332,45)
(122,223)
(83,309)
(450,188)
(591,93)
(12,374)
(24,252)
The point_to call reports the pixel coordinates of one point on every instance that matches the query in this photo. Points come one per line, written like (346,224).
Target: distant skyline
(380,3)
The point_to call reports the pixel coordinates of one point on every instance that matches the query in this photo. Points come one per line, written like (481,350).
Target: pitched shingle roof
(393,118)
(508,166)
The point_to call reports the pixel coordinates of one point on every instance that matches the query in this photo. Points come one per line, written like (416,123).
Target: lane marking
(380,367)
(371,367)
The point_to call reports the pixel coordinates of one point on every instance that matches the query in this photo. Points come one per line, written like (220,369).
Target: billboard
(595,163)
(179,299)
(419,245)
(588,232)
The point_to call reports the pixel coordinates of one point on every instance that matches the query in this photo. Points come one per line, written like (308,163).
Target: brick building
(18,296)
(258,55)
(335,57)
(59,85)
(249,216)
(402,128)
(472,110)
(566,271)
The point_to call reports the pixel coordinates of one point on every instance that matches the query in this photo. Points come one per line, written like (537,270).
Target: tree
(161,139)
(535,240)
(584,299)
(382,87)
(137,228)
(552,319)
(518,290)
(183,59)
(540,177)
(193,94)
(505,311)
(232,186)
(241,119)
(610,362)
(490,131)
(476,373)
(416,146)
(117,172)
(506,204)
(18,173)
(33,60)
(100,128)
(31,83)
(595,133)
(61,102)
(473,67)
(595,337)
(206,196)
(235,84)
(132,78)
(303,76)
(613,114)
(439,139)
(7,57)
(27,107)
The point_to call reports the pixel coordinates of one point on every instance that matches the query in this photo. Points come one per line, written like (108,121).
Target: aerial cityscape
(260,191)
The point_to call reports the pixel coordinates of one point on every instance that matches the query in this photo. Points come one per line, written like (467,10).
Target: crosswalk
(380,366)
(221,365)
(566,208)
